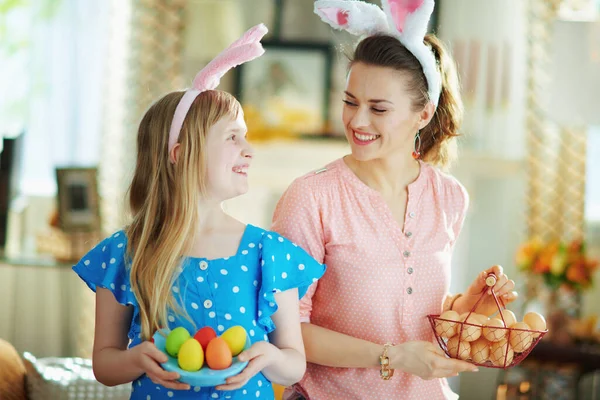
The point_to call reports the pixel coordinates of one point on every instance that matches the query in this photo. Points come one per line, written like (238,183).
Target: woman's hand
(426,360)
(148,357)
(504,289)
(260,355)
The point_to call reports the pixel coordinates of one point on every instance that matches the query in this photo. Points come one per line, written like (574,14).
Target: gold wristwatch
(384,361)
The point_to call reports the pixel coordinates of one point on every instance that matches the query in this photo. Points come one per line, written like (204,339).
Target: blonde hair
(164,199)
(438,138)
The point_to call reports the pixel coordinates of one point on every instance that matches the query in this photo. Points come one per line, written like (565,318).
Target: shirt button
(207,304)
(411,214)
(406,253)
(203,265)
(408,234)
(410,270)
(409,290)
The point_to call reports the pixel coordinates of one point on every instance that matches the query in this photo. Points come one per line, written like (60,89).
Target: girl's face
(228,157)
(378,119)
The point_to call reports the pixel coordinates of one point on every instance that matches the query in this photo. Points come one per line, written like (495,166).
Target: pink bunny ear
(409,17)
(210,76)
(400,9)
(244,49)
(357,17)
(336,16)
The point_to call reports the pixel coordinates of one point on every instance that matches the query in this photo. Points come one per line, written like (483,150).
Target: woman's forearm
(288,370)
(333,349)
(115,366)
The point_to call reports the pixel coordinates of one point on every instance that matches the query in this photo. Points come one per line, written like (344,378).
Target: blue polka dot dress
(219,293)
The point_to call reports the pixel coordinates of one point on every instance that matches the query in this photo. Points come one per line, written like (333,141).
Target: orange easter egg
(536,321)
(218,354)
(520,340)
(494,330)
(446,329)
(459,349)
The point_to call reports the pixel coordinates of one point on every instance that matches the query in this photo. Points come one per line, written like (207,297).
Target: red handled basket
(487,346)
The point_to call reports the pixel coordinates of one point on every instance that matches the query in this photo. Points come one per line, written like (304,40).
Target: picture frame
(287,90)
(78,199)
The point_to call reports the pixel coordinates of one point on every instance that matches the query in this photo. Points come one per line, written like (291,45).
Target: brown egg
(509,317)
(471,329)
(520,340)
(480,350)
(218,354)
(446,329)
(494,330)
(536,321)
(501,354)
(459,349)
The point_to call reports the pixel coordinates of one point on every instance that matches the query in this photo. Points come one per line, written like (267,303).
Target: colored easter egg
(204,336)
(236,339)
(191,355)
(175,339)
(218,354)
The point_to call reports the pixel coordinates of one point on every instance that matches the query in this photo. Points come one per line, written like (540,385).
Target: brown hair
(164,198)
(438,138)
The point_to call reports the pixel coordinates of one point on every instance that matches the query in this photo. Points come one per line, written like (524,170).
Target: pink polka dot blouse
(382,279)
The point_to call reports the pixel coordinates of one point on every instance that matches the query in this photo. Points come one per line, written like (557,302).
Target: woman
(384,219)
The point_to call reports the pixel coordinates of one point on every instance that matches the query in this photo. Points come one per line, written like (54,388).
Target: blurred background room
(77,75)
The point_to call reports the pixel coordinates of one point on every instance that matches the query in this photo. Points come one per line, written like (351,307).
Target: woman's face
(378,117)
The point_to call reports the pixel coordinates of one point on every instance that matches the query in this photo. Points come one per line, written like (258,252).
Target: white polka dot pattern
(382,279)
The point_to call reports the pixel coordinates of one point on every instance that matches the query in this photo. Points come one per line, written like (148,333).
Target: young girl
(383,218)
(183,262)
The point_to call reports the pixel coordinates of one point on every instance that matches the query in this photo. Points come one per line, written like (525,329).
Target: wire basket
(484,345)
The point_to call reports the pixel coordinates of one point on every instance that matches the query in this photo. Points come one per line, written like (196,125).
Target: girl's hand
(426,360)
(504,289)
(148,357)
(260,355)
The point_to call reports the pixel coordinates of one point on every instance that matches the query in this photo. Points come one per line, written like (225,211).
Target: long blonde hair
(164,199)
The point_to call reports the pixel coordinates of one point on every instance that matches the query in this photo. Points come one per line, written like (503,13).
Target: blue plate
(205,377)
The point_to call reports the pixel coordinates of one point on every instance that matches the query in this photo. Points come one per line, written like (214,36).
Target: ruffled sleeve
(104,266)
(285,266)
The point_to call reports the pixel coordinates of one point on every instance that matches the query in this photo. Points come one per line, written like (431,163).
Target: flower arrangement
(558,263)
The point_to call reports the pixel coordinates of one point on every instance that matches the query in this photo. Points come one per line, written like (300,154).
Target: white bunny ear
(356,17)
(409,17)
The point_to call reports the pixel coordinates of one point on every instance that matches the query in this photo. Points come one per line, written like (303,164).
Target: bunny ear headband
(404,19)
(244,49)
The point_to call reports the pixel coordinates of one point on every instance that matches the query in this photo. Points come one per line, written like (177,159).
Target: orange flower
(577,273)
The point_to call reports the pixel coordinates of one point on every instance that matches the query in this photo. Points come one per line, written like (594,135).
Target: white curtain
(57,76)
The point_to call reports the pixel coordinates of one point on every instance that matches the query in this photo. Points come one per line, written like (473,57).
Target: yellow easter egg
(191,355)
(235,337)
